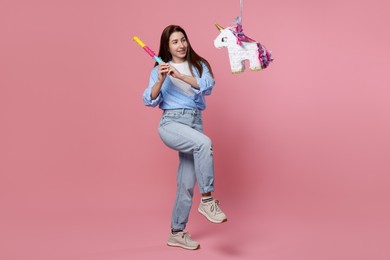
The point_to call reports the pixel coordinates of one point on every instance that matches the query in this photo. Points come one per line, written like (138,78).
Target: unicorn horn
(220,28)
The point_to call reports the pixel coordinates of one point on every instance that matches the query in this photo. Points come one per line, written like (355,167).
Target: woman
(179,88)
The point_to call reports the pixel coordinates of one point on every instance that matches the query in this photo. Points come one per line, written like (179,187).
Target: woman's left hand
(174,72)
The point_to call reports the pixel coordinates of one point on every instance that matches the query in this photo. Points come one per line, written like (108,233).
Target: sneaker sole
(182,246)
(210,219)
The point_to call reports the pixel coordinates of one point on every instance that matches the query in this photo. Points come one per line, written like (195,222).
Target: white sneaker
(182,239)
(212,211)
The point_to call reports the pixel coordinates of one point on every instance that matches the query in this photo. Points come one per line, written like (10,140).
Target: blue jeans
(182,130)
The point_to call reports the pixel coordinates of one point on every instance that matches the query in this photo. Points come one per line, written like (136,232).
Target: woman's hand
(163,69)
(173,72)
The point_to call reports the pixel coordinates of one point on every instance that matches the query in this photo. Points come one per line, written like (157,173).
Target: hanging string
(239,18)
(240,12)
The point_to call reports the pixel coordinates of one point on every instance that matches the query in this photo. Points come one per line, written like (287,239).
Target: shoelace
(216,206)
(186,236)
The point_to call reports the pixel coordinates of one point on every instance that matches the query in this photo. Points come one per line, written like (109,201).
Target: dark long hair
(194,60)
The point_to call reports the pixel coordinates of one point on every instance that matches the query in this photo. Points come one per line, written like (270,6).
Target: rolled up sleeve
(205,82)
(148,101)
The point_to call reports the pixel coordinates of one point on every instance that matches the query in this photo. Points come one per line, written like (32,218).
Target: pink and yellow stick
(146,48)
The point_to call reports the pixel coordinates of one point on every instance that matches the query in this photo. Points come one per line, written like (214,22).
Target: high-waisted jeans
(182,130)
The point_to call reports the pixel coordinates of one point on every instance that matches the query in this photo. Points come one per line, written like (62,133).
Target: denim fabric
(182,130)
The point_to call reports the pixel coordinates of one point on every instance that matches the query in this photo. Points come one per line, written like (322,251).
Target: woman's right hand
(163,69)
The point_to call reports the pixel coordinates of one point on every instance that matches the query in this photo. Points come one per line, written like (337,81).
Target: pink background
(301,148)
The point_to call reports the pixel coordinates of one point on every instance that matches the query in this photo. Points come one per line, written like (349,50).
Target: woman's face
(178,47)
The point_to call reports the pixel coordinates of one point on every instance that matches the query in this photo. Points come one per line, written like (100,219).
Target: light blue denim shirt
(171,97)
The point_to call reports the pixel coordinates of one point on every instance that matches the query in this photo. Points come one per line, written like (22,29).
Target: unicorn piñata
(241,47)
